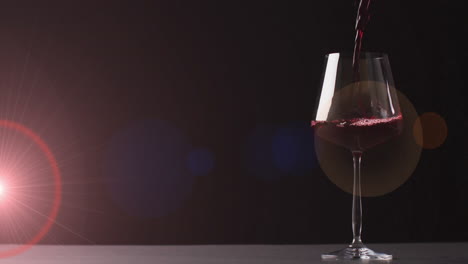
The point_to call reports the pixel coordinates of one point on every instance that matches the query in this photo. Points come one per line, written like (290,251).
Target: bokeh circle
(146,168)
(277,151)
(384,167)
(430,130)
(200,161)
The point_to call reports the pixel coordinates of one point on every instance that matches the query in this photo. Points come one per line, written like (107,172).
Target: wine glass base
(353,252)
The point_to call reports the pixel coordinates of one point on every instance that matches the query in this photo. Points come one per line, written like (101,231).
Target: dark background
(202,82)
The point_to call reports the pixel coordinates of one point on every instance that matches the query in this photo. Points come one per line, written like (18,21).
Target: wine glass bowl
(357,109)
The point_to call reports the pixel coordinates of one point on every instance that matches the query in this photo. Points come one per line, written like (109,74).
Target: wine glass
(357,109)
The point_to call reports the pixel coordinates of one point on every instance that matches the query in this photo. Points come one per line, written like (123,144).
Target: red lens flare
(57,193)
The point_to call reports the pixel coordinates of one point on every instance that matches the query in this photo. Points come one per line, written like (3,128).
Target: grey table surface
(443,253)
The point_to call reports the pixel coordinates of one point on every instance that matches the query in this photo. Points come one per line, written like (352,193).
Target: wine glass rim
(364,54)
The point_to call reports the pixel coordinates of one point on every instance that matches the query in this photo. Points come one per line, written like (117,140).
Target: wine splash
(359,134)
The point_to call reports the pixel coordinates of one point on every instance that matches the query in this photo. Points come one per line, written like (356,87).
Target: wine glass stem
(357,205)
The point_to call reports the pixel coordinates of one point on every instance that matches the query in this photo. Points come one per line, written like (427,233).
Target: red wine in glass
(357,110)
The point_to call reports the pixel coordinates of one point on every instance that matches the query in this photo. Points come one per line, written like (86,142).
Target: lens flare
(2,189)
(21,205)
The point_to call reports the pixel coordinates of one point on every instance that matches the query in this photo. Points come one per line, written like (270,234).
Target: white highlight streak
(328,87)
